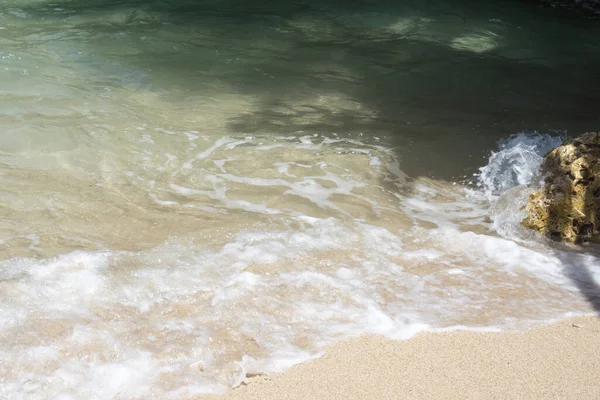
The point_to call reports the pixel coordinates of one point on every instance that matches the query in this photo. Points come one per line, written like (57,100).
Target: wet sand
(559,361)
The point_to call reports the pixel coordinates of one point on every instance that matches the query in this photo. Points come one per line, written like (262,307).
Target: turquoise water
(404,70)
(196,191)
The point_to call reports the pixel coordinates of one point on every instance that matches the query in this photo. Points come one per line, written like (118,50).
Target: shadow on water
(441,82)
(450,109)
(577,269)
(441,89)
(440,86)
(571,172)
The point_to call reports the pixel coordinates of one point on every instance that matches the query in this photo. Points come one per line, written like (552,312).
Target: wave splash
(516,162)
(199,314)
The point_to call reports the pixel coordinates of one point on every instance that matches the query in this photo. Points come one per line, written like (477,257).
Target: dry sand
(560,361)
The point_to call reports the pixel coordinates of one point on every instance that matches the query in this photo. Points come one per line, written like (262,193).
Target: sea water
(197,192)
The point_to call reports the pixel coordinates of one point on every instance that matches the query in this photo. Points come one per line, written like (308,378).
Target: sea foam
(202,312)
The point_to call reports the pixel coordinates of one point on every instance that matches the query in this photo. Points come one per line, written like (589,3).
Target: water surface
(196,191)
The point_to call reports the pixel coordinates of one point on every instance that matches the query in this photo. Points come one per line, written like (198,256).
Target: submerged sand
(558,361)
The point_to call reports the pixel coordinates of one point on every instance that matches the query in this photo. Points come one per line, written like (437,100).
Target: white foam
(509,177)
(196,316)
(324,298)
(516,162)
(214,173)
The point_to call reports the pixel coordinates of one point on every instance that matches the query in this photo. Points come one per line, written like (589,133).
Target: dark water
(433,75)
(197,191)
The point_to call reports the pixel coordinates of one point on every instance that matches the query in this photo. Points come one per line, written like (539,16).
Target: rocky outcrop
(567,207)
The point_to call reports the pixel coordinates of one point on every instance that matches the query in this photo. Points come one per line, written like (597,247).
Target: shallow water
(200,191)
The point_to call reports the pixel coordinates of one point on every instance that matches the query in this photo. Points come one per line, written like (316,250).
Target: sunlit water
(197,192)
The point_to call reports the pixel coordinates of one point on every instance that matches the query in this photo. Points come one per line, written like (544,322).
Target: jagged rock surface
(567,207)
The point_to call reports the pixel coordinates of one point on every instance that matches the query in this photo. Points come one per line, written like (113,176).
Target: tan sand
(560,361)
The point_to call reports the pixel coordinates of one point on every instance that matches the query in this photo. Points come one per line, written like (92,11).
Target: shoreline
(560,360)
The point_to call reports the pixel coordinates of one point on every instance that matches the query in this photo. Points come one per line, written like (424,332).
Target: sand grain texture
(560,361)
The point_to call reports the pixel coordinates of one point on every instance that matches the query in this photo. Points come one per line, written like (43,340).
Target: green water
(435,78)
(196,191)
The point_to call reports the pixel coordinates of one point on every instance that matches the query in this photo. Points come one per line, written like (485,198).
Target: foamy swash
(322,239)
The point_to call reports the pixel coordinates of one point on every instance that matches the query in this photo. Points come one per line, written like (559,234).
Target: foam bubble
(264,300)
(516,162)
(305,241)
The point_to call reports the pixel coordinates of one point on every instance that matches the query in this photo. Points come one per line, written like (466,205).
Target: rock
(567,207)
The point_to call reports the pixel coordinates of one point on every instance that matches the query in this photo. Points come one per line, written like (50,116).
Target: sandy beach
(559,361)
(202,193)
